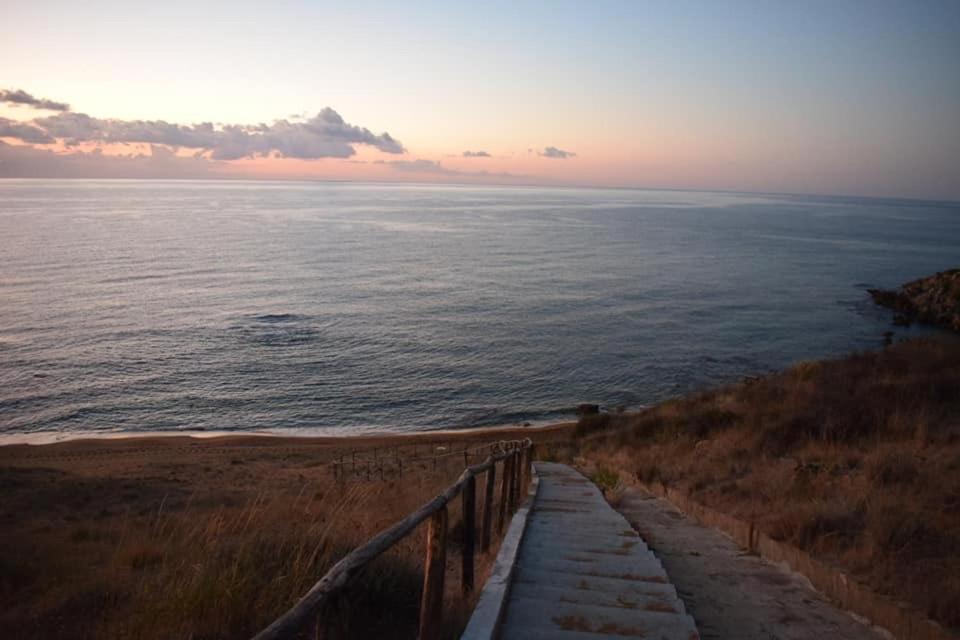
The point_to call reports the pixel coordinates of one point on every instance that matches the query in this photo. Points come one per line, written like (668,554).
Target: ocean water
(342,308)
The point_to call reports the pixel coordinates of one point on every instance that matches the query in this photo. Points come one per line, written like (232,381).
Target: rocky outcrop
(932,300)
(588,409)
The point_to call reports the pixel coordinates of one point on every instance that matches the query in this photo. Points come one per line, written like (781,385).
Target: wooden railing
(307,615)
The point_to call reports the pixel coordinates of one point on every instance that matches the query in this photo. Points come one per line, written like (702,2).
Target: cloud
(25,132)
(21,97)
(20,161)
(325,135)
(559,154)
(476,154)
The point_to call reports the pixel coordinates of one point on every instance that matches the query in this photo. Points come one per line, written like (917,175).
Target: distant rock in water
(932,300)
(588,409)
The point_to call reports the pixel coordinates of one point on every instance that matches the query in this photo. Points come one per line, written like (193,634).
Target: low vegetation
(116,540)
(856,460)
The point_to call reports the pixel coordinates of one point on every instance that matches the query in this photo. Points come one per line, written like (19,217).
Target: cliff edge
(932,300)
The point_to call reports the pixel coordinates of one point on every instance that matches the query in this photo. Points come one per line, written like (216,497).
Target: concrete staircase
(582,573)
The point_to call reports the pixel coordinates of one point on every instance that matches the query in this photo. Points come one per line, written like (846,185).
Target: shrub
(606,479)
(855,459)
(892,467)
(593,423)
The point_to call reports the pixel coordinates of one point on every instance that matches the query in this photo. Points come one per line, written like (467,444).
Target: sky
(858,97)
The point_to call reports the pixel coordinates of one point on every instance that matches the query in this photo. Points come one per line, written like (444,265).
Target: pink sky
(852,98)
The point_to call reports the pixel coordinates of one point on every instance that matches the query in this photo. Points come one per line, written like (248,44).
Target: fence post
(521,474)
(525,470)
(488,508)
(504,493)
(518,483)
(512,483)
(533,456)
(332,620)
(469,532)
(431,604)
(515,484)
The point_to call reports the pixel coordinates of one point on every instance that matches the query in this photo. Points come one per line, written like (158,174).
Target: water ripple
(147,306)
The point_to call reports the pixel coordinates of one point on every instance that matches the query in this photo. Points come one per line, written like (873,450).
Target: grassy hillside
(856,460)
(181,538)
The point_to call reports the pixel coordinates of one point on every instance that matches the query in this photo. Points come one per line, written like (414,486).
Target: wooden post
(521,474)
(488,508)
(515,481)
(509,480)
(466,457)
(332,620)
(524,466)
(512,482)
(431,604)
(504,493)
(518,478)
(353,461)
(400,466)
(530,455)
(469,532)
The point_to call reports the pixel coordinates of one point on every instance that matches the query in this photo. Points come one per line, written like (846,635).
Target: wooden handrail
(515,454)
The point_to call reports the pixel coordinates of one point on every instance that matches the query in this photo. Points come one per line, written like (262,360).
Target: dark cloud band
(25,132)
(325,135)
(21,97)
(558,154)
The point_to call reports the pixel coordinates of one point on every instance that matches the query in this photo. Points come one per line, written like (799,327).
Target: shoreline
(285,436)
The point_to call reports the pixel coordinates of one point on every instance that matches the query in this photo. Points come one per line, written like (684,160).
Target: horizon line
(793,194)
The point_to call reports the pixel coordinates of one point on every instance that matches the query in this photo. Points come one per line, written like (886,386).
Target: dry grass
(207,543)
(856,460)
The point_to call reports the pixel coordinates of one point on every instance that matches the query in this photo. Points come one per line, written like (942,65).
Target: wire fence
(391,462)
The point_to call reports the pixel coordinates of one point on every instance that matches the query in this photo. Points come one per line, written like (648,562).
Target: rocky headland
(932,300)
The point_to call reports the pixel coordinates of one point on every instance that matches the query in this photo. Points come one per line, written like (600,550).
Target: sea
(345,308)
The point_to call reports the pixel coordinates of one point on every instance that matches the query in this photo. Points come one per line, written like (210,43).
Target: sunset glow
(856,97)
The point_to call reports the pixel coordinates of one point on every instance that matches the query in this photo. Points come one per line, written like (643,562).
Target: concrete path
(583,573)
(731,594)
